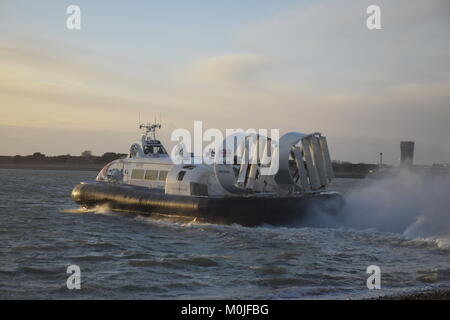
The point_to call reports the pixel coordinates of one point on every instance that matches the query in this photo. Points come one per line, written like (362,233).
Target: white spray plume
(414,204)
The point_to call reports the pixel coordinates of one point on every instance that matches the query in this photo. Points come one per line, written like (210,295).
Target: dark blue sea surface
(128,256)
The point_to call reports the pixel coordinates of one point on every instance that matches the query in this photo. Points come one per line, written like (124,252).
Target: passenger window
(137,174)
(151,175)
(180,175)
(163,175)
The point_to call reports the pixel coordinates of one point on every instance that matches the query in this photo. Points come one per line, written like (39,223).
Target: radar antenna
(150,129)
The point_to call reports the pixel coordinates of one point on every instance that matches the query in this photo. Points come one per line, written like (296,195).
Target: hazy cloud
(326,44)
(229,69)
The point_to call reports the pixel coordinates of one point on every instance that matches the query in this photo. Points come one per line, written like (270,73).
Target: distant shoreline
(39,161)
(96,167)
(61,167)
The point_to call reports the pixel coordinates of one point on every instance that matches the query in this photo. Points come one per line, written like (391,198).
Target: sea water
(400,224)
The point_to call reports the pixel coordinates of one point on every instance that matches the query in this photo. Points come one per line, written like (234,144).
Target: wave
(99,209)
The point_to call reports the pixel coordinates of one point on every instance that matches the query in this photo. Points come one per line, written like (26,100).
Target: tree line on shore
(87,157)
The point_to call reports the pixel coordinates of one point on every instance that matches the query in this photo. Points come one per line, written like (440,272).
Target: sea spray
(415,204)
(98,209)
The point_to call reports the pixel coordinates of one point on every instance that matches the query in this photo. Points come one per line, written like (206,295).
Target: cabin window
(180,175)
(163,175)
(137,174)
(151,175)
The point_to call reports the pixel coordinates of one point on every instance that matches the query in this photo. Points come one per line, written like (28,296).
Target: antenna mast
(150,129)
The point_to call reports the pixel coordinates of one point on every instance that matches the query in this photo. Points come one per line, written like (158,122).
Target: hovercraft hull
(246,210)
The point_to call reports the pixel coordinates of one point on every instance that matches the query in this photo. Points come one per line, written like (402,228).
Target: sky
(302,66)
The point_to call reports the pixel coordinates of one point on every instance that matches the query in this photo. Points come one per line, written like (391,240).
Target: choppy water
(133,257)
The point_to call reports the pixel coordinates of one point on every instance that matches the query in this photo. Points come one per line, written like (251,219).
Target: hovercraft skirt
(244,210)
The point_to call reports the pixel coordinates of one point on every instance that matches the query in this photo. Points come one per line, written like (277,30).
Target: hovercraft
(256,181)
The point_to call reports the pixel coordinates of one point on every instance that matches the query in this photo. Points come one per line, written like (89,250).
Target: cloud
(229,69)
(61,88)
(57,141)
(43,80)
(326,44)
